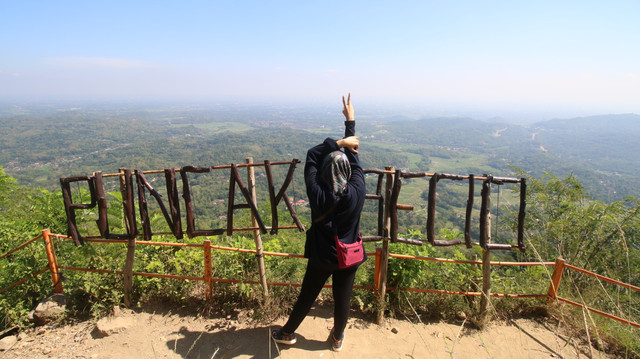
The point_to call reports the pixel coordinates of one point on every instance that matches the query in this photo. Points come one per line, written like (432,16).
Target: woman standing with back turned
(336,190)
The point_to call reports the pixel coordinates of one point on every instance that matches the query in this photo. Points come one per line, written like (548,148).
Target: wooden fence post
(257,237)
(130,223)
(384,259)
(376,272)
(53,261)
(208,276)
(486,286)
(555,279)
(486,255)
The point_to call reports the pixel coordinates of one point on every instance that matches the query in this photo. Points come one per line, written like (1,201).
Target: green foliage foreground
(562,221)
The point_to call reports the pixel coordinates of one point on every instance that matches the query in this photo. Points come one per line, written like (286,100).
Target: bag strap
(333,221)
(327,213)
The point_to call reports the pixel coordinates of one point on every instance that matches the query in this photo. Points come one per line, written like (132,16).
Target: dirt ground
(146,334)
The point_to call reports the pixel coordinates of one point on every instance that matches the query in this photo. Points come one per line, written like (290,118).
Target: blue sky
(579,57)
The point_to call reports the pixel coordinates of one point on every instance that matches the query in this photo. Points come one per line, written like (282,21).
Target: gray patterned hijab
(336,171)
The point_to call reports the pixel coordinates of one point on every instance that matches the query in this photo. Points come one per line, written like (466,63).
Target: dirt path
(166,335)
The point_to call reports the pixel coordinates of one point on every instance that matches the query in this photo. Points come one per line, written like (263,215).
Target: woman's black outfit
(320,248)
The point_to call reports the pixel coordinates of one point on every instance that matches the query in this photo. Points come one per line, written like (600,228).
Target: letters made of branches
(171,210)
(487,180)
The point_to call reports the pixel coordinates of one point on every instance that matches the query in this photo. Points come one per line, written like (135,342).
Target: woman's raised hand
(347,110)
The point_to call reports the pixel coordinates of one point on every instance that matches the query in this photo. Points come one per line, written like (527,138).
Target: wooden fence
(559,267)
(388,188)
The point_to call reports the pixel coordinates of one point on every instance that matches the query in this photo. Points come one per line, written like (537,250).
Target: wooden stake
(486,258)
(257,237)
(208,276)
(127,271)
(555,279)
(53,261)
(376,273)
(384,258)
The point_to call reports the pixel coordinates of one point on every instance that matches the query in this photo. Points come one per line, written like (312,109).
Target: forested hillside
(39,149)
(599,151)
(607,143)
(41,144)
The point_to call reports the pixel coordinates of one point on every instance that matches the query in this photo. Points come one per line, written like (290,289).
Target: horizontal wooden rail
(124,240)
(142,274)
(606,279)
(610,316)
(21,246)
(145,243)
(170,244)
(254,164)
(459,261)
(471,294)
(173,276)
(24,280)
(58,236)
(281,284)
(494,179)
(477,178)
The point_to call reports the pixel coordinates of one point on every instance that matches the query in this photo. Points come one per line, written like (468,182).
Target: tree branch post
(486,254)
(127,271)
(384,255)
(257,237)
(208,275)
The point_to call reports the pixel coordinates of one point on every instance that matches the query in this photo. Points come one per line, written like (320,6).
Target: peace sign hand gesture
(347,110)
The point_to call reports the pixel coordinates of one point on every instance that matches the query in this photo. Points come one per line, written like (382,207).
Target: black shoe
(281,337)
(336,344)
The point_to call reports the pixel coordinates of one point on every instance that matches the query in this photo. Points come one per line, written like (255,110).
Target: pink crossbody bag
(349,254)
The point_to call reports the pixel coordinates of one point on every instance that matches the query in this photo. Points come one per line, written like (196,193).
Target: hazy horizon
(328,108)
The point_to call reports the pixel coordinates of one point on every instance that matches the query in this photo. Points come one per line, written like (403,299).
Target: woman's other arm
(350,141)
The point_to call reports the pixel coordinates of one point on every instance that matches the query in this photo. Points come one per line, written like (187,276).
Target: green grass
(414,160)
(411,192)
(396,147)
(458,163)
(216,127)
(461,162)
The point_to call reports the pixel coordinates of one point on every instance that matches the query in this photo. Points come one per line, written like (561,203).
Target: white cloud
(633,76)
(97,62)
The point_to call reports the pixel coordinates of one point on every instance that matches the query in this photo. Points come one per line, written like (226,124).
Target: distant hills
(42,144)
(605,143)
(603,123)
(602,151)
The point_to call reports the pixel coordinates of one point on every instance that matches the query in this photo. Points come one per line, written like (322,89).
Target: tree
(563,221)
(7,183)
